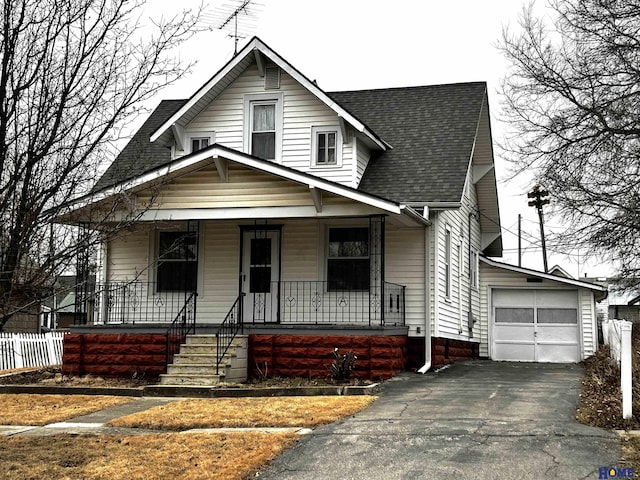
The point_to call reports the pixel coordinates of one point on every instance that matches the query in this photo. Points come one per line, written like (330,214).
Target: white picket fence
(617,334)
(24,350)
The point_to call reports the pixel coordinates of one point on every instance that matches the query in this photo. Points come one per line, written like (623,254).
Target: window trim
(315,131)
(189,136)
(249,100)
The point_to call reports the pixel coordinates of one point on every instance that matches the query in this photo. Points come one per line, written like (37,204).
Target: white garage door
(535,325)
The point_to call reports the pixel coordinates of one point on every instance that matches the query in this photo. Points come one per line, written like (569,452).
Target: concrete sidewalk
(475,420)
(94,423)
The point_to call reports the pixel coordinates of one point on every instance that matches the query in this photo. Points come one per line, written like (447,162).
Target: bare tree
(572,98)
(72,74)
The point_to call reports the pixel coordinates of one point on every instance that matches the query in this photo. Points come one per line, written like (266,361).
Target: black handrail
(228,330)
(182,325)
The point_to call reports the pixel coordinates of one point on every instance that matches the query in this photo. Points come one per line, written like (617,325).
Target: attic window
(195,141)
(326,146)
(272,78)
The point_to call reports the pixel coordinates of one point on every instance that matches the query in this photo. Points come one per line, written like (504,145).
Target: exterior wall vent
(272,78)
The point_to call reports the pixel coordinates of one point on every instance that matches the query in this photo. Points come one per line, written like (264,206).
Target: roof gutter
(443,205)
(415,216)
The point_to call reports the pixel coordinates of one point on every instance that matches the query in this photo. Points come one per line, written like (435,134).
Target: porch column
(376,269)
(81,311)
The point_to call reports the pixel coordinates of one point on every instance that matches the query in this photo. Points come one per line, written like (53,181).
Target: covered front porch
(277,272)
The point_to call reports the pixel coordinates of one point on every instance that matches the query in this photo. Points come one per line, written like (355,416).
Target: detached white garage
(531,316)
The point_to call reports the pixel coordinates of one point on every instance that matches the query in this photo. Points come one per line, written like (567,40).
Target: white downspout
(427,306)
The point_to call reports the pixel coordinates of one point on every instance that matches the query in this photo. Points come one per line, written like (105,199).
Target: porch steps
(196,363)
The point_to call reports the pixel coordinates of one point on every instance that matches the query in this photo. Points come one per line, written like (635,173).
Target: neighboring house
(621,303)
(352,220)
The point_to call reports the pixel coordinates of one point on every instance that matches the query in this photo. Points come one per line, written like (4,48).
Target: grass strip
(246,412)
(114,457)
(39,409)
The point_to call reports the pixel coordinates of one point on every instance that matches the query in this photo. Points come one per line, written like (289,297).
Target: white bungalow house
(299,221)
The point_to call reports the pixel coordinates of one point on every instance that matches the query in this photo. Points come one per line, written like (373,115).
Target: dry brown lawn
(246,412)
(163,456)
(32,409)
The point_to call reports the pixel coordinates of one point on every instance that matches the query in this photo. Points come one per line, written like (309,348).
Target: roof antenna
(238,17)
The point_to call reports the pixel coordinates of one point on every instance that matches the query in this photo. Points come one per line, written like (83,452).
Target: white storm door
(260,275)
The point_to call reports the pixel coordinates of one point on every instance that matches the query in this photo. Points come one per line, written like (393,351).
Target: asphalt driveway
(474,420)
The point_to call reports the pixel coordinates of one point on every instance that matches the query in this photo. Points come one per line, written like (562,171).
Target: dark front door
(260,275)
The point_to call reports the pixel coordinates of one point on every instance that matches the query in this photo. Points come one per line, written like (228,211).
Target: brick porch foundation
(114,355)
(127,355)
(309,356)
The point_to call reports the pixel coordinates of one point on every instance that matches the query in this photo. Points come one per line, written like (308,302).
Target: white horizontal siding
(405,265)
(451,315)
(301,111)
(128,255)
(220,260)
(300,247)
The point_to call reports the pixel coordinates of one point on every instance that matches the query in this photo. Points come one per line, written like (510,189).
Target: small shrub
(342,365)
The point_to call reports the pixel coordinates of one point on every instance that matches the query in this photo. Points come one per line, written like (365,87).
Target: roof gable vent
(272,78)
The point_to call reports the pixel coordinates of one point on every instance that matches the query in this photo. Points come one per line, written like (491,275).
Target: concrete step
(190,379)
(196,369)
(199,358)
(199,348)
(204,338)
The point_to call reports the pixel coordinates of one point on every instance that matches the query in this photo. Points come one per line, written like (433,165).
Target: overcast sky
(360,44)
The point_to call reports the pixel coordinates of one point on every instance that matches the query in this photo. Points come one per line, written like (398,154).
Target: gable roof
(432,130)
(253,52)
(547,276)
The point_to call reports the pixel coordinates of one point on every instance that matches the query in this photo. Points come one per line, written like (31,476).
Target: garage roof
(546,276)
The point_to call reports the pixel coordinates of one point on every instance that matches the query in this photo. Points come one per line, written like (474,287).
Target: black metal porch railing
(182,325)
(133,302)
(228,330)
(286,302)
(315,302)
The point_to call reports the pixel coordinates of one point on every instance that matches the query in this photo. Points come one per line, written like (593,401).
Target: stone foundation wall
(309,356)
(445,351)
(114,355)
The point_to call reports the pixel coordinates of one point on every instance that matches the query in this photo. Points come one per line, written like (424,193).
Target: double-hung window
(326,146)
(263,114)
(473,268)
(263,130)
(348,259)
(177,266)
(447,263)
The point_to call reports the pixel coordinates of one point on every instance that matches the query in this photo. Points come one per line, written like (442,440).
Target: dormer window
(326,147)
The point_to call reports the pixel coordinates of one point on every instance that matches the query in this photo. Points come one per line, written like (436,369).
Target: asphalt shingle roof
(431,129)
(140,155)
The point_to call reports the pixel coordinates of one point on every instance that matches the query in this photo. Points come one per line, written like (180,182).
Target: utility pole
(538,194)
